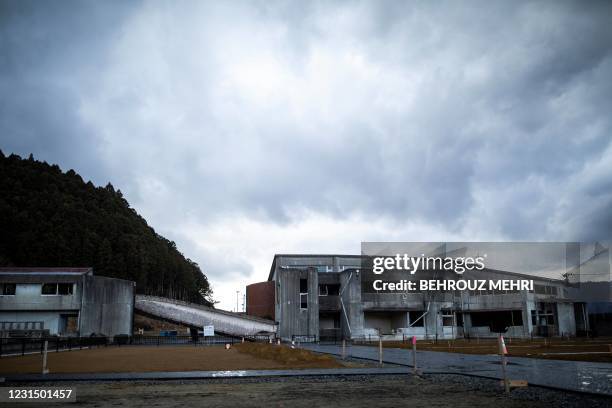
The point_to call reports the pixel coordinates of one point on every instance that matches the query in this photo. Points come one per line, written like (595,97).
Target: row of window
(545,290)
(320,268)
(9,289)
(57,289)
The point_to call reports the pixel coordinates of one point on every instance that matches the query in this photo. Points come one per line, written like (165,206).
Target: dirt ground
(595,350)
(247,356)
(337,392)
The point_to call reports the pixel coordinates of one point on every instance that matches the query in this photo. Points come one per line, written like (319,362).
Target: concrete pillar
(528,306)
(467,324)
(566,319)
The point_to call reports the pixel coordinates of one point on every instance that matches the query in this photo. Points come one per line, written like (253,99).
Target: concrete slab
(192,375)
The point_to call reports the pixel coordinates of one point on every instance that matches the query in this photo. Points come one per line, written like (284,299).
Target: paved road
(571,375)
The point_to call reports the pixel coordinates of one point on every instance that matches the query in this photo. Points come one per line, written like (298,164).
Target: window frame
(70,287)
(5,285)
(305,295)
(42,289)
(57,288)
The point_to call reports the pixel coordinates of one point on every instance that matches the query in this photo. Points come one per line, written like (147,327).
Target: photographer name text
(454,285)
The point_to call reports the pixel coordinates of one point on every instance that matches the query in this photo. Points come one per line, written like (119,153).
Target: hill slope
(51,218)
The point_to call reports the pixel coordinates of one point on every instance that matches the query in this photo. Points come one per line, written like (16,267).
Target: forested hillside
(51,218)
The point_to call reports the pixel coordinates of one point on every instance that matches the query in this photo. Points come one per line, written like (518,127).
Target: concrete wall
(107,307)
(352,322)
(292,319)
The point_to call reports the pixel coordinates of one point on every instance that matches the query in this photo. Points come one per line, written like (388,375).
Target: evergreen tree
(50,218)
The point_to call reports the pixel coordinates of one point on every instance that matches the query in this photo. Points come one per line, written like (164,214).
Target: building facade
(326,297)
(63,301)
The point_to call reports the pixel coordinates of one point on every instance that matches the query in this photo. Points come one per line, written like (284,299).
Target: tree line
(54,219)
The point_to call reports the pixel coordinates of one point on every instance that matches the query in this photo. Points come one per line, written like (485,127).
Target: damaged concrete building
(63,301)
(328,297)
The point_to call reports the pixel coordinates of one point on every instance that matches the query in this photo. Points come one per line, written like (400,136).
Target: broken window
(546,314)
(459,319)
(497,319)
(448,319)
(416,319)
(303,285)
(49,289)
(8,289)
(329,290)
(303,293)
(57,288)
(65,288)
(303,300)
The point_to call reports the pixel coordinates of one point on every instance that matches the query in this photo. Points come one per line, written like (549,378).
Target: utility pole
(237,296)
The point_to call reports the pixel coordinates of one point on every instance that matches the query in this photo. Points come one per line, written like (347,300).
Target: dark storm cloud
(50,52)
(484,119)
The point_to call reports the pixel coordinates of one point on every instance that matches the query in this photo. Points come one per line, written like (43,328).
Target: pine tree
(50,218)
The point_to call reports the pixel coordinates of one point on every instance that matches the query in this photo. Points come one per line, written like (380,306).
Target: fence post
(44,365)
(380,352)
(502,353)
(343,349)
(414,359)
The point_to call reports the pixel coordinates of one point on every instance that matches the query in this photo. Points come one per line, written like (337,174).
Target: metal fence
(176,340)
(304,338)
(25,345)
(261,338)
(28,345)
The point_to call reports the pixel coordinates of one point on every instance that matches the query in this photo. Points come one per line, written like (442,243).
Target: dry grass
(287,356)
(246,356)
(595,350)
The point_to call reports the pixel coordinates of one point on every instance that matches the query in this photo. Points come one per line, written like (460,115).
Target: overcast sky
(244,129)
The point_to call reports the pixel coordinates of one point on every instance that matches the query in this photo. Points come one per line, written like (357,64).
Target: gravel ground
(338,391)
(549,396)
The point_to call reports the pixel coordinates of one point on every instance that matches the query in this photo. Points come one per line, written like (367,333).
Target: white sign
(209,331)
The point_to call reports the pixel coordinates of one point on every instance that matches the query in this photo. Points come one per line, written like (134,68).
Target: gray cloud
(485,120)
